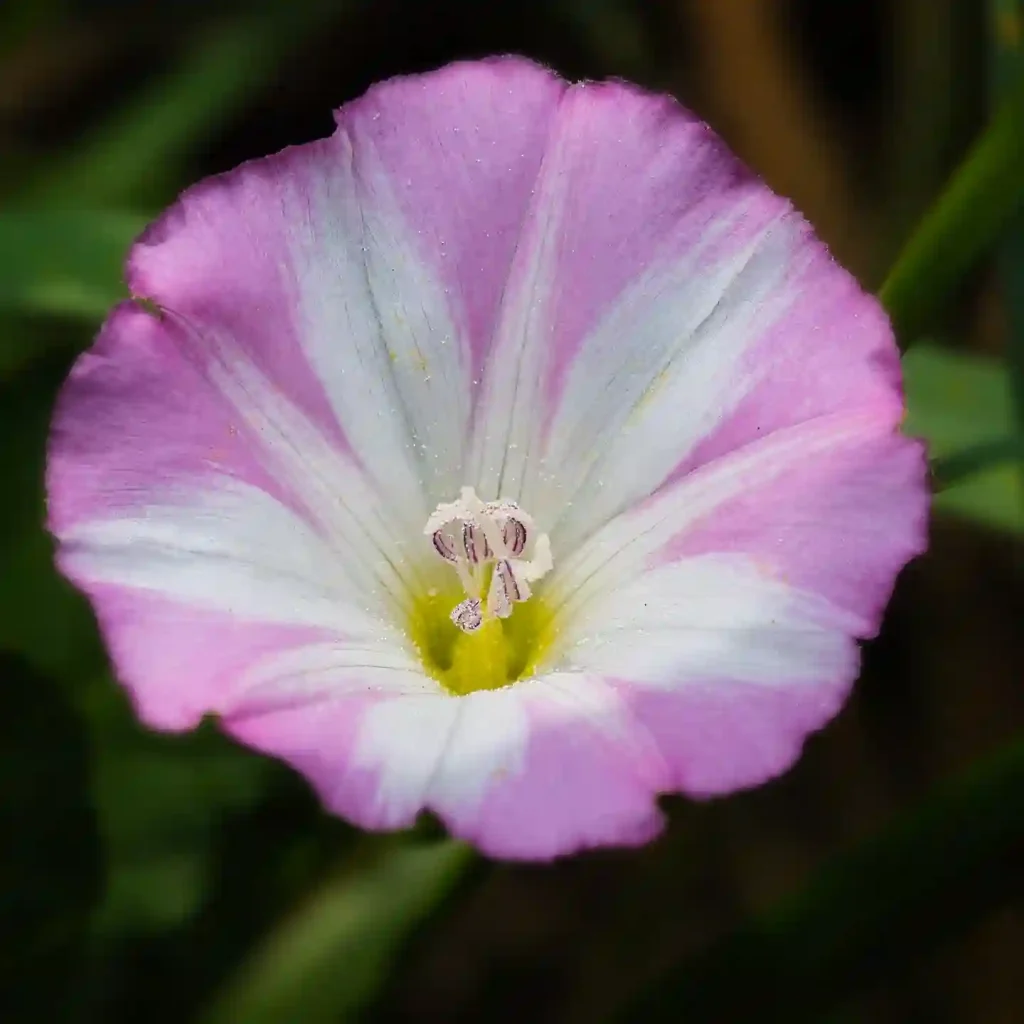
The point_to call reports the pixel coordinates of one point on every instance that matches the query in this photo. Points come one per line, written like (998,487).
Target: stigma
(496,551)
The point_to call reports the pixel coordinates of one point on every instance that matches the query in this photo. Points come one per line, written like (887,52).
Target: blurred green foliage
(986,190)
(81,277)
(962,405)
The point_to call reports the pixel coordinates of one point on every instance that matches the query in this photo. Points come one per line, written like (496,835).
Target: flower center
(488,544)
(495,552)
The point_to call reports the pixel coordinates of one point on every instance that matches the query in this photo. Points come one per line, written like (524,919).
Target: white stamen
(467,615)
(444,545)
(514,535)
(473,535)
(474,543)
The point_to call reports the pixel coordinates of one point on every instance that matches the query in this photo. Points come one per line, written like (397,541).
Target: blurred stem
(328,960)
(983,194)
(1007,43)
(867,914)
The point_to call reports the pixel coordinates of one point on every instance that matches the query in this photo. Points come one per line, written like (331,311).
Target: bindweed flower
(512,454)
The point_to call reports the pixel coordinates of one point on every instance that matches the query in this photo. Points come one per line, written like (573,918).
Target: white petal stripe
(629,544)
(235,550)
(715,617)
(632,412)
(379,334)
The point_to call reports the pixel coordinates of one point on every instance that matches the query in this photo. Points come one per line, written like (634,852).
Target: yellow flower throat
(499,629)
(497,654)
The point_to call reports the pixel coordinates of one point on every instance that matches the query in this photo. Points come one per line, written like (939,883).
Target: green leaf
(949,470)
(50,858)
(326,963)
(160,800)
(868,916)
(207,847)
(62,261)
(972,212)
(961,403)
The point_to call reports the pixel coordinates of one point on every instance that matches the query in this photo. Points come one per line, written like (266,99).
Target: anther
(505,590)
(474,543)
(468,615)
(514,535)
(487,544)
(444,545)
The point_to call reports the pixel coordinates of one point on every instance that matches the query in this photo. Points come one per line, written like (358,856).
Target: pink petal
(305,264)
(831,350)
(202,548)
(180,664)
(718,736)
(135,417)
(834,506)
(462,148)
(587,775)
(739,321)
(221,468)
(737,340)
(533,771)
(630,188)
(726,606)
(840,524)
(710,617)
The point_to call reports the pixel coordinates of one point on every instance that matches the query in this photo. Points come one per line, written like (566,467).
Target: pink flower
(513,453)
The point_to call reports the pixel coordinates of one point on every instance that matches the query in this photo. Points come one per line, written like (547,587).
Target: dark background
(138,870)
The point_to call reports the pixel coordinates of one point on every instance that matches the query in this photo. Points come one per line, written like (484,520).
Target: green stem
(326,962)
(981,197)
